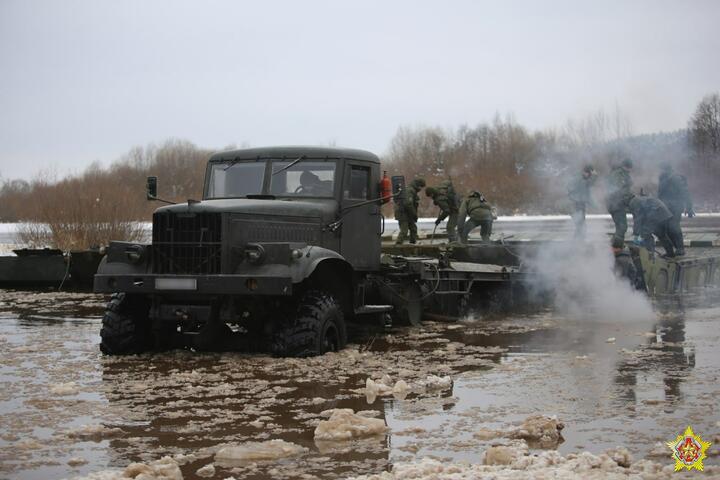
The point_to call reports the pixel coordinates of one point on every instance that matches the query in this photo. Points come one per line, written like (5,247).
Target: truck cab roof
(294,152)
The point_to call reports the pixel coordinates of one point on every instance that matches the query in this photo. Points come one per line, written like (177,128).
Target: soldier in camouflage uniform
(652,217)
(481,214)
(406,211)
(444,197)
(579,193)
(673,191)
(624,265)
(618,196)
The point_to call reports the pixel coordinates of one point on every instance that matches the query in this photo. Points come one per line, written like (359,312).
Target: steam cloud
(581,277)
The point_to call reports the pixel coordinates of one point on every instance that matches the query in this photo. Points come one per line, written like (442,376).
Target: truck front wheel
(125,326)
(317,327)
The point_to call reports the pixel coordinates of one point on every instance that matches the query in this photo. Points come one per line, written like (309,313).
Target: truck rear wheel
(318,327)
(125,326)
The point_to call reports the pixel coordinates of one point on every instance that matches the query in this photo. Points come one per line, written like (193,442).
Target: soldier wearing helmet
(480,213)
(406,211)
(619,184)
(444,197)
(673,191)
(652,217)
(581,198)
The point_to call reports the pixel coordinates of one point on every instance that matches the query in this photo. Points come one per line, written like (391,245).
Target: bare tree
(622,127)
(704,126)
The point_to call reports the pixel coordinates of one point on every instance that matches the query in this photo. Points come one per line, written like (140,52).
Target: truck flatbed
(503,262)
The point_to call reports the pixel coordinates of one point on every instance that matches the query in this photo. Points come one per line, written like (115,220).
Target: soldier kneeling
(481,214)
(444,197)
(652,217)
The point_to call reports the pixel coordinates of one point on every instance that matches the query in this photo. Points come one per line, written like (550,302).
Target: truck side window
(358,183)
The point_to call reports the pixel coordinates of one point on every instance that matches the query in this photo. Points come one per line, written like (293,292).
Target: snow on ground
(6,249)
(164,469)
(239,454)
(344,424)
(514,463)
(8,231)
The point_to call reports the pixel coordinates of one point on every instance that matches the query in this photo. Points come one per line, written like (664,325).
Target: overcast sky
(86,80)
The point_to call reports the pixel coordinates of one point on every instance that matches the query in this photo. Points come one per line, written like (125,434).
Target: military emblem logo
(688,450)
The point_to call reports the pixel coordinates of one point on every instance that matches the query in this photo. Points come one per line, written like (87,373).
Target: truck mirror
(151,188)
(398,184)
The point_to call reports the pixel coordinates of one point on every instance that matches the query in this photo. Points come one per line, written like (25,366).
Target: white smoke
(581,279)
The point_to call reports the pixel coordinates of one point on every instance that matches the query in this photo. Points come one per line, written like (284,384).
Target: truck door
(361,227)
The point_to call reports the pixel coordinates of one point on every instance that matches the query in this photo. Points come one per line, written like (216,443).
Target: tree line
(102,204)
(521,171)
(518,170)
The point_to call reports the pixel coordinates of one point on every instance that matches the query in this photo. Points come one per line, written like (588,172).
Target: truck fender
(119,268)
(311,258)
(117,262)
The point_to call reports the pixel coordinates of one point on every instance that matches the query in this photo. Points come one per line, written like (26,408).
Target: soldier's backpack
(448,189)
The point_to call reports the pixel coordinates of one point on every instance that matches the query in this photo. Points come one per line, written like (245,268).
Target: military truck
(283,250)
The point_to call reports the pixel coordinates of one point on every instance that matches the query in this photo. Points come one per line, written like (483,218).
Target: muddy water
(67,411)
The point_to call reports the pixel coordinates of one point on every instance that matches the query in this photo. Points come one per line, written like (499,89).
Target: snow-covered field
(507,224)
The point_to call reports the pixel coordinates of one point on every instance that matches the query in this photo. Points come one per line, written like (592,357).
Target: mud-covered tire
(317,327)
(125,327)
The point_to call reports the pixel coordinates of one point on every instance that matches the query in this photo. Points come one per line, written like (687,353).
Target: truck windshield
(232,180)
(305,178)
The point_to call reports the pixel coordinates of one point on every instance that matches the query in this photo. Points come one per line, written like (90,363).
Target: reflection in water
(504,368)
(680,359)
(665,352)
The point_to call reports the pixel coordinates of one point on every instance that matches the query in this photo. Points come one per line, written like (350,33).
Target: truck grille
(277,231)
(187,243)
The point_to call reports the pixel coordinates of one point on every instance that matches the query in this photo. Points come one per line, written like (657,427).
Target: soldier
(652,217)
(445,198)
(673,191)
(406,211)
(579,193)
(618,196)
(310,184)
(624,265)
(481,214)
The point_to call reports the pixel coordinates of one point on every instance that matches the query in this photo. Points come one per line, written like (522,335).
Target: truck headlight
(254,253)
(135,253)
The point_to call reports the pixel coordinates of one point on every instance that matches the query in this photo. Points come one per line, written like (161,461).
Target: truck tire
(125,326)
(318,327)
